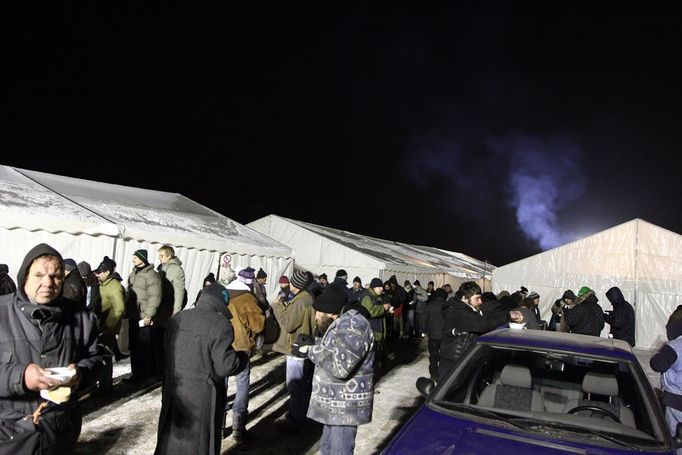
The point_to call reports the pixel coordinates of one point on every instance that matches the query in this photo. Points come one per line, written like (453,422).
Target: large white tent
(325,250)
(642,259)
(87,220)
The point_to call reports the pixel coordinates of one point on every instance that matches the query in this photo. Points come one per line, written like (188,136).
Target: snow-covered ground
(125,421)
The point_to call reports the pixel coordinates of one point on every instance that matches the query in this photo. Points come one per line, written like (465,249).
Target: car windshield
(573,396)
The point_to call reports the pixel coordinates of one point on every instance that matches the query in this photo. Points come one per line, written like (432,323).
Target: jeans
(240,404)
(299,381)
(338,440)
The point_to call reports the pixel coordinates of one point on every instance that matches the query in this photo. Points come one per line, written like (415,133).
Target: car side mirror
(678,434)
(425,386)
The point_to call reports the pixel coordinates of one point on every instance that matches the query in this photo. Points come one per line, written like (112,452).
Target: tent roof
(386,253)
(39,201)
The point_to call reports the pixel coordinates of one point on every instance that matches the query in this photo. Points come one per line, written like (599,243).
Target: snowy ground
(125,421)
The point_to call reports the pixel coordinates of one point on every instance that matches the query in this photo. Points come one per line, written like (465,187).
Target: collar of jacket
(41,313)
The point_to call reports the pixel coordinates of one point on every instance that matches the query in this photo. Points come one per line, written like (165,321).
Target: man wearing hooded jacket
(199,355)
(38,331)
(622,318)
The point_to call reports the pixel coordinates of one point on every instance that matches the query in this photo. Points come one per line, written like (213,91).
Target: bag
(271,329)
(18,434)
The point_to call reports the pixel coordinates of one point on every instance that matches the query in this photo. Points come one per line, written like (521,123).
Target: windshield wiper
(581,429)
(481,412)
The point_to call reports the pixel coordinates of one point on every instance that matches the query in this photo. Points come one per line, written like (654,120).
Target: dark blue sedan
(532,391)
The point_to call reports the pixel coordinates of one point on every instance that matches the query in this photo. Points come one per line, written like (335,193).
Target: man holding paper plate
(48,351)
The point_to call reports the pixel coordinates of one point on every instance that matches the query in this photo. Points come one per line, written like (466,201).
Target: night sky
(496,130)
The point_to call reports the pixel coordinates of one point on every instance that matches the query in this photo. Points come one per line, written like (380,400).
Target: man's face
(323,281)
(137,261)
(356,285)
(103,276)
(378,290)
(430,287)
(44,280)
(284,286)
(261,280)
(475,300)
(163,257)
(447,288)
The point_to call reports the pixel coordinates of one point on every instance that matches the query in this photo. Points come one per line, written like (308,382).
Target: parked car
(532,391)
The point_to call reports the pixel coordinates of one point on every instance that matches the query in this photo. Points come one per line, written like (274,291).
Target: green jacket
(110,306)
(373,303)
(297,317)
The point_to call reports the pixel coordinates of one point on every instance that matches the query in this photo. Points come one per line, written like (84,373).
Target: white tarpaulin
(642,259)
(86,220)
(325,250)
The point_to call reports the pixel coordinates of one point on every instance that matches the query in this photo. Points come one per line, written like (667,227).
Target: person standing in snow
(74,289)
(343,386)
(586,316)
(422,297)
(172,279)
(622,318)
(199,356)
(260,291)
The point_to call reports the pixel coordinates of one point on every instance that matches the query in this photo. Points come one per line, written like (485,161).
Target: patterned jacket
(343,386)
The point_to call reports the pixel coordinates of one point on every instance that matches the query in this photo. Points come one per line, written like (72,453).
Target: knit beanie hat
(357,280)
(331,301)
(323,276)
(213,292)
(301,279)
(246,275)
(583,290)
(283,280)
(341,274)
(261,274)
(84,268)
(533,295)
(141,255)
(4,268)
(376,283)
(417,283)
(70,265)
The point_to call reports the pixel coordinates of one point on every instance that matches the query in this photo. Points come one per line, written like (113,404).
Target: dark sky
(497,130)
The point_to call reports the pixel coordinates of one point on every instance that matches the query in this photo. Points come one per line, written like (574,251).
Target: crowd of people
(335,337)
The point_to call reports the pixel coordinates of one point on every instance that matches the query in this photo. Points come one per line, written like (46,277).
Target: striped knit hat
(301,279)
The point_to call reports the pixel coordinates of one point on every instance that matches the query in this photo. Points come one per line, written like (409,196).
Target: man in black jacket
(38,330)
(622,318)
(464,321)
(586,317)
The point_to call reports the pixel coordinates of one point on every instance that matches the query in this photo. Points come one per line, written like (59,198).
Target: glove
(301,346)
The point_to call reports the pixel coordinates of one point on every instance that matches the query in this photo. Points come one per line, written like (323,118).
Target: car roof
(560,341)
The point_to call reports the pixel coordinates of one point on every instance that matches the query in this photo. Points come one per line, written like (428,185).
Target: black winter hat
(107,265)
(70,265)
(332,300)
(142,256)
(215,291)
(341,274)
(568,294)
(323,276)
(376,283)
(261,274)
(210,278)
(84,268)
(357,280)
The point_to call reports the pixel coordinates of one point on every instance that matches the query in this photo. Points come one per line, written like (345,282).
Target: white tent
(86,220)
(325,250)
(642,259)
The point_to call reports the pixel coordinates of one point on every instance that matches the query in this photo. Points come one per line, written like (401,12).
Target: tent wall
(643,260)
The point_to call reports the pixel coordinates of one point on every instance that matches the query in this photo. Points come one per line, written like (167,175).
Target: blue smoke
(538,176)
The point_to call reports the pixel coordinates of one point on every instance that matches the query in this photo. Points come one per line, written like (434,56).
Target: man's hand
(387,307)
(300,347)
(76,379)
(36,378)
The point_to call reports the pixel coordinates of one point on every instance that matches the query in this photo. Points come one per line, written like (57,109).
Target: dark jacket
(50,335)
(198,357)
(433,315)
(7,285)
(586,317)
(622,318)
(462,324)
(74,290)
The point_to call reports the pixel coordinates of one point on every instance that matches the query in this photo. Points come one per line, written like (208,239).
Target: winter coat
(375,306)
(422,298)
(295,318)
(356,294)
(143,300)
(586,316)
(110,306)
(433,315)
(462,324)
(49,335)
(173,284)
(261,296)
(529,318)
(199,355)
(344,368)
(622,318)
(74,290)
(247,320)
